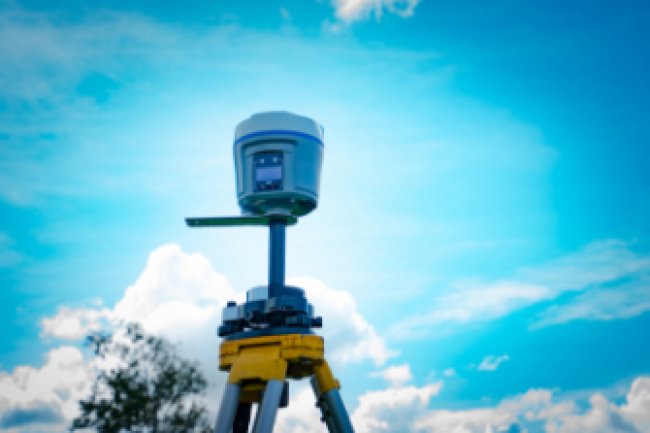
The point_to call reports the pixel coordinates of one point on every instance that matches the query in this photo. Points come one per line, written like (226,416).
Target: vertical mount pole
(277,240)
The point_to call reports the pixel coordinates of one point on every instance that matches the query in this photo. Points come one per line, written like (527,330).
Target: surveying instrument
(268,339)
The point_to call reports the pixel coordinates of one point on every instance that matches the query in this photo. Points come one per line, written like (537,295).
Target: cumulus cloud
(353,10)
(612,279)
(393,409)
(176,291)
(74,324)
(45,398)
(302,415)
(179,295)
(396,375)
(349,337)
(405,408)
(537,410)
(504,417)
(602,417)
(492,362)
(637,406)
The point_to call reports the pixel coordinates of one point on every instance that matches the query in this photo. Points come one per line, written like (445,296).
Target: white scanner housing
(278,158)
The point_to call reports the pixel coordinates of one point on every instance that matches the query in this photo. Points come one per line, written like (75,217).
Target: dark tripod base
(259,368)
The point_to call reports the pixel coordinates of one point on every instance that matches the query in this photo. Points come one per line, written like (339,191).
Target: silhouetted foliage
(150,389)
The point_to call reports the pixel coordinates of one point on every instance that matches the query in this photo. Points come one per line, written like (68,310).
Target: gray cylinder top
(274,122)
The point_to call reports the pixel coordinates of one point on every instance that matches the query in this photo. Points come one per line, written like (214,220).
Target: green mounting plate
(239,221)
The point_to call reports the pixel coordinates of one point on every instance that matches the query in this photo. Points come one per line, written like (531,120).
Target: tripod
(268,340)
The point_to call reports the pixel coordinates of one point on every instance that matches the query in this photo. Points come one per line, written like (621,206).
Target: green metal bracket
(239,221)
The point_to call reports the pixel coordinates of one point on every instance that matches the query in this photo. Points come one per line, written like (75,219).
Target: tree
(149,388)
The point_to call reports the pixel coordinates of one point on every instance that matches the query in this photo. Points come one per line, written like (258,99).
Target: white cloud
(179,295)
(597,263)
(302,415)
(387,410)
(492,362)
(469,301)
(637,406)
(74,324)
(353,10)
(44,398)
(348,336)
(481,420)
(394,409)
(613,277)
(177,291)
(621,301)
(405,409)
(602,417)
(396,375)
(536,410)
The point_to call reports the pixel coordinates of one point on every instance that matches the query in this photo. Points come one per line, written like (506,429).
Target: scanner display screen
(268,171)
(268,174)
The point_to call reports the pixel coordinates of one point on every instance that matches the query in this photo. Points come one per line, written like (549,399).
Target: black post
(277,235)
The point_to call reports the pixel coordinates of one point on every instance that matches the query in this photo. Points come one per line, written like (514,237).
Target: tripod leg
(228,409)
(326,389)
(324,410)
(268,408)
(339,419)
(242,418)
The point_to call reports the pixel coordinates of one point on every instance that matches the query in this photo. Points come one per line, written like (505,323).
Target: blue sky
(482,241)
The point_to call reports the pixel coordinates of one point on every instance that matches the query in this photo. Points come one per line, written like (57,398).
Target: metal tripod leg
(268,408)
(328,399)
(228,409)
(334,412)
